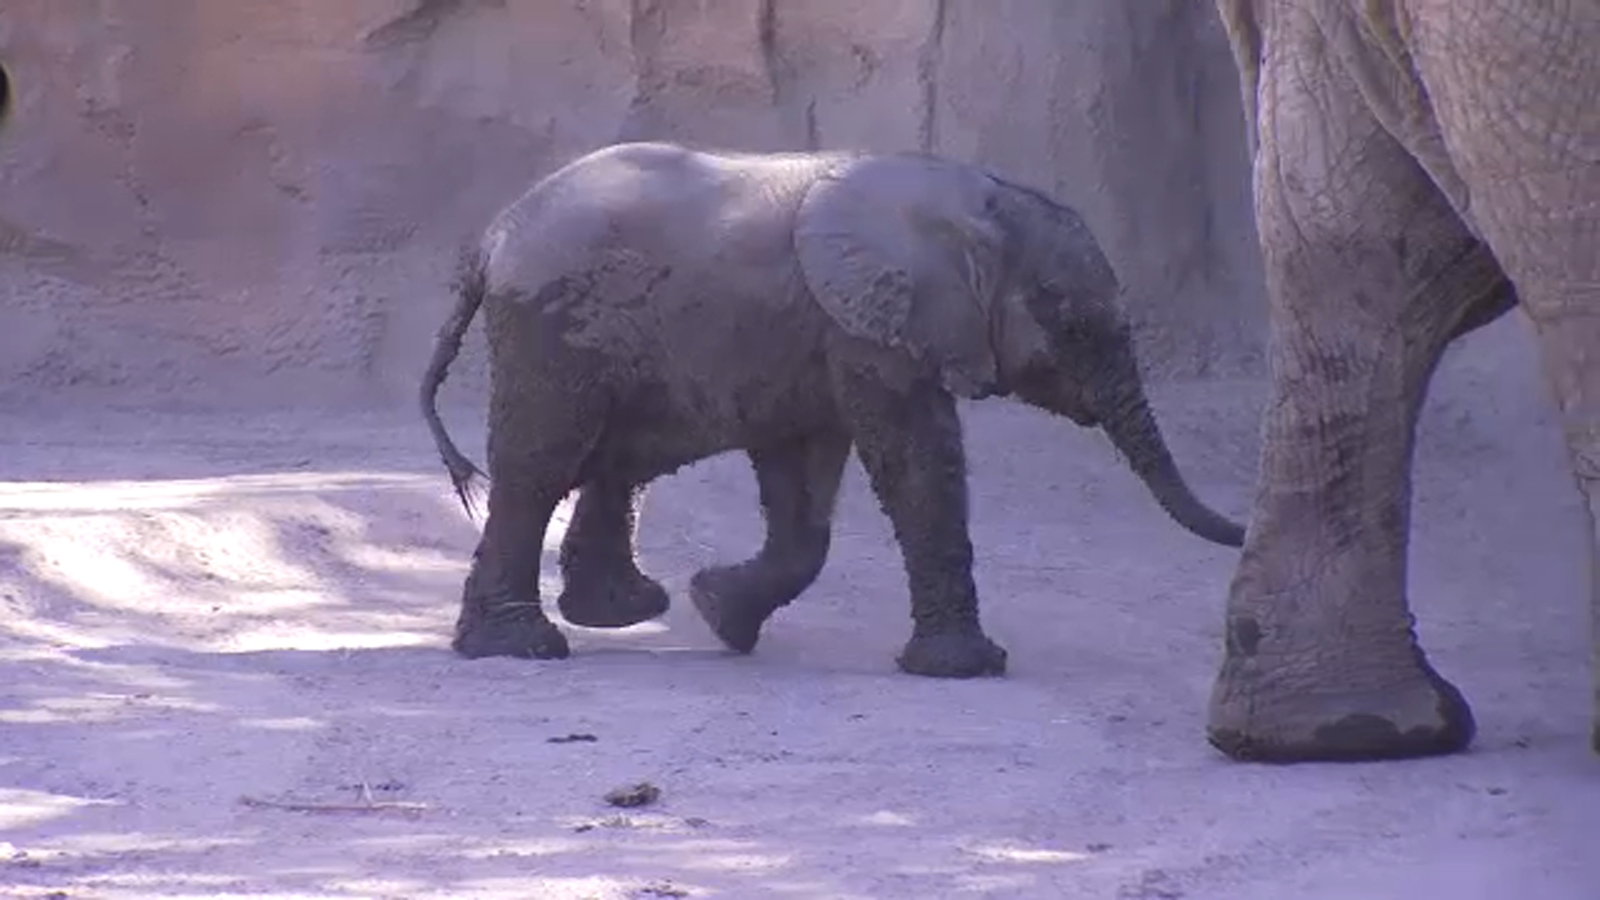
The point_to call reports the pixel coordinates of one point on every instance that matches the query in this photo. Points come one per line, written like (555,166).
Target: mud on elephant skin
(648,306)
(1420,167)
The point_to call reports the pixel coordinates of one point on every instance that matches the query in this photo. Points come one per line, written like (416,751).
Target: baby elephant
(648,306)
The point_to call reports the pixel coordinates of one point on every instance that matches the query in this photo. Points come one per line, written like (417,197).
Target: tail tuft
(471,284)
(471,486)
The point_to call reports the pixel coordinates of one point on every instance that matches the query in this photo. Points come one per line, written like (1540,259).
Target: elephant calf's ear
(899,251)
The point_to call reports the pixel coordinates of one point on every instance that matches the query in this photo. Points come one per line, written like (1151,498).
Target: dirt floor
(224,672)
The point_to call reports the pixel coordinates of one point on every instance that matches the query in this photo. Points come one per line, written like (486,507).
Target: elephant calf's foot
(1336,719)
(524,636)
(615,602)
(730,601)
(952,654)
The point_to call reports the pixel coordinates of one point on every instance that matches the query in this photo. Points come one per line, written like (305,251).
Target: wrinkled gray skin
(649,306)
(1420,167)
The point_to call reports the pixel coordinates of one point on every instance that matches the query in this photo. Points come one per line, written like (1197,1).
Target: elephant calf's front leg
(604,587)
(798,482)
(910,445)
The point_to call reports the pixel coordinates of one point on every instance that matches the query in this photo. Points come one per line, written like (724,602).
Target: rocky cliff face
(262,199)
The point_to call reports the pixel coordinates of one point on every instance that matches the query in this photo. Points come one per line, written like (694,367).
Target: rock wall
(260,200)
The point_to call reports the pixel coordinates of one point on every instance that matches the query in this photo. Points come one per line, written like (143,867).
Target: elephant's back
(719,219)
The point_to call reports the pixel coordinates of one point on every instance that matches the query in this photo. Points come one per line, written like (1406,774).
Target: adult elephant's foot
(732,602)
(612,602)
(1292,714)
(967,653)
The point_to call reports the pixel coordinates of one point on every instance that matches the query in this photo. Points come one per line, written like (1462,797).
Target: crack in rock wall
(261,200)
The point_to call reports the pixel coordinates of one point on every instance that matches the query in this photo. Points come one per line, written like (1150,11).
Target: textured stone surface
(265,196)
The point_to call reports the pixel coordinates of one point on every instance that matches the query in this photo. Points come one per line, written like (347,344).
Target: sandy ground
(208,615)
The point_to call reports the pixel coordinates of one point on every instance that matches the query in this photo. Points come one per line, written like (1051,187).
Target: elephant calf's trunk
(1132,428)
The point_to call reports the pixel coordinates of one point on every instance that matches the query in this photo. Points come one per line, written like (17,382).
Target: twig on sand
(307,806)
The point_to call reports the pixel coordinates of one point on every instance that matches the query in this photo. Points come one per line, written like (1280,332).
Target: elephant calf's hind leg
(500,614)
(531,467)
(798,483)
(604,587)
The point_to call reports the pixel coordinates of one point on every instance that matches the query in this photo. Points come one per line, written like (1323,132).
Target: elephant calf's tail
(471,284)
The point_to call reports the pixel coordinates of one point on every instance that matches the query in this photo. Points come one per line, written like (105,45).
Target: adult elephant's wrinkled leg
(603,585)
(909,441)
(1369,272)
(1571,350)
(1513,88)
(798,482)
(1561,292)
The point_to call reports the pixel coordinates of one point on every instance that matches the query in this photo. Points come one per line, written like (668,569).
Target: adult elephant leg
(1567,320)
(603,585)
(909,440)
(1369,271)
(798,481)
(1513,88)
